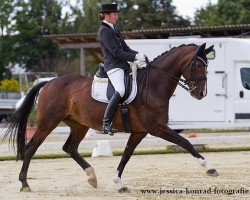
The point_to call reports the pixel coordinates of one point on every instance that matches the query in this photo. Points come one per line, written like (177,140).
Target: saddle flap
(102,90)
(128,79)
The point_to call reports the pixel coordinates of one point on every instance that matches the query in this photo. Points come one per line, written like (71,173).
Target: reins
(181,82)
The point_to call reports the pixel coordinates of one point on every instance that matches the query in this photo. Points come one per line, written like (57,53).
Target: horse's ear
(201,49)
(209,49)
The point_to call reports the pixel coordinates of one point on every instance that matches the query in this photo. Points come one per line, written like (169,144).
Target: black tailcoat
(115,50)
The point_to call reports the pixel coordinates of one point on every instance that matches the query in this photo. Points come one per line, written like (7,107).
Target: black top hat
(109,8)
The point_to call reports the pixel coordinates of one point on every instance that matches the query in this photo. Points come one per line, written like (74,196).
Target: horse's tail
(16,125)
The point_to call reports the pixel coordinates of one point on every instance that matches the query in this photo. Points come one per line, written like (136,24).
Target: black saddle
(100,72)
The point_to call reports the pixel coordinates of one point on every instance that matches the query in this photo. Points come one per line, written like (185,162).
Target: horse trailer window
(245,77)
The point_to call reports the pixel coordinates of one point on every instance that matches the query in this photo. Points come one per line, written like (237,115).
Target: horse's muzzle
(198,94)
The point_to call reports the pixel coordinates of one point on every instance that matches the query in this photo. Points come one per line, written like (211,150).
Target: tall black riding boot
(109,114)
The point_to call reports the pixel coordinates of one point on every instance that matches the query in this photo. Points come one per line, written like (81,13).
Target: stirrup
(108,129)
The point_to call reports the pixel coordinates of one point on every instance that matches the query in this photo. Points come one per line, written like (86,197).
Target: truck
(227,104)
(7,108)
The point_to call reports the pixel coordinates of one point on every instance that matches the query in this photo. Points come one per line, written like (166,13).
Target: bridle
(192,81)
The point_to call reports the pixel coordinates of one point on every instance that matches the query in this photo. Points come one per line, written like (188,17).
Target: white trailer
(227,104)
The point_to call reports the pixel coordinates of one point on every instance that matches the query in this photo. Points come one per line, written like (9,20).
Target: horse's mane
(167,53)
(144,79)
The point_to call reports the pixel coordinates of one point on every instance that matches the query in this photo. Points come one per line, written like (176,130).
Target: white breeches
(116,77)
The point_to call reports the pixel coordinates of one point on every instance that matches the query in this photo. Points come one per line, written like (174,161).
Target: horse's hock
(102,148)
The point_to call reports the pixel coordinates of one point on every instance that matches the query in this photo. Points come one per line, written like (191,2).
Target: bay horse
(68,99)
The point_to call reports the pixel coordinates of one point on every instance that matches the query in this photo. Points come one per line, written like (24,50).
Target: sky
(188,7)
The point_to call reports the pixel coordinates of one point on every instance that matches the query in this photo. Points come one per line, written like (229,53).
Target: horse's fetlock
(65,149)
(22,177)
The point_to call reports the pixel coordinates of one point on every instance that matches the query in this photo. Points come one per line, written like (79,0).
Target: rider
(116,54)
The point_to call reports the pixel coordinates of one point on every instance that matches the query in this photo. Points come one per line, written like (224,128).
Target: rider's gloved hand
(141,60)
(141,57)
(140,64)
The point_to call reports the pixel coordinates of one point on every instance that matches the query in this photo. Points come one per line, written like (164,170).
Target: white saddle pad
(99,87)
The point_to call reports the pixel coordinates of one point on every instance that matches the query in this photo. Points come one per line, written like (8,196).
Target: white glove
(140,64)
(140,57)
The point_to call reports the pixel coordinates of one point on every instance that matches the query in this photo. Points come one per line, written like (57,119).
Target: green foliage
(6,9)
(142,14)
(24,22)
(134,14)
(32,117)
(5,56)
(35,19)
(225,12)
(86,17)
(9,85)
(120,152)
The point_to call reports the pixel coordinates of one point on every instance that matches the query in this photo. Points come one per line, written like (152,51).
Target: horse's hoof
(212,172)
(92,181)
(92,177)
(25,189)
(124,190)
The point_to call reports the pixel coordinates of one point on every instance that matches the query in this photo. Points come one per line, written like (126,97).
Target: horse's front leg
(164,132)
(132,143)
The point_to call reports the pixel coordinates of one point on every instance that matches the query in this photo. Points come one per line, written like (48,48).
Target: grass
(220,130)
(137,152)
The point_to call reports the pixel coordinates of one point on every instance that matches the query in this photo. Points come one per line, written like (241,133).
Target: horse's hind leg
(30,150)
(164,132)
(132,143)
(77,133)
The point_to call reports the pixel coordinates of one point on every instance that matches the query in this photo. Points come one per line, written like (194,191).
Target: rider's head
(109,13)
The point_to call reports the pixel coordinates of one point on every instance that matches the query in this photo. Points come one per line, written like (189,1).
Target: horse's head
(195,71)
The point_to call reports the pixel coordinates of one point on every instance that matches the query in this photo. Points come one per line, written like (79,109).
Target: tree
(86,20)
(143,14)
(225,12)
(25,22)
(35,19)
(134,14)
(6,9)
(5,56)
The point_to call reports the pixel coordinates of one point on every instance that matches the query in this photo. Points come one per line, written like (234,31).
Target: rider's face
(111,17)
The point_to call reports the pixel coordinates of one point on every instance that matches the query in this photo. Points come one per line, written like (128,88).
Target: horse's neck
(165,73)
(170,67)
(169,76)
(158,84)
